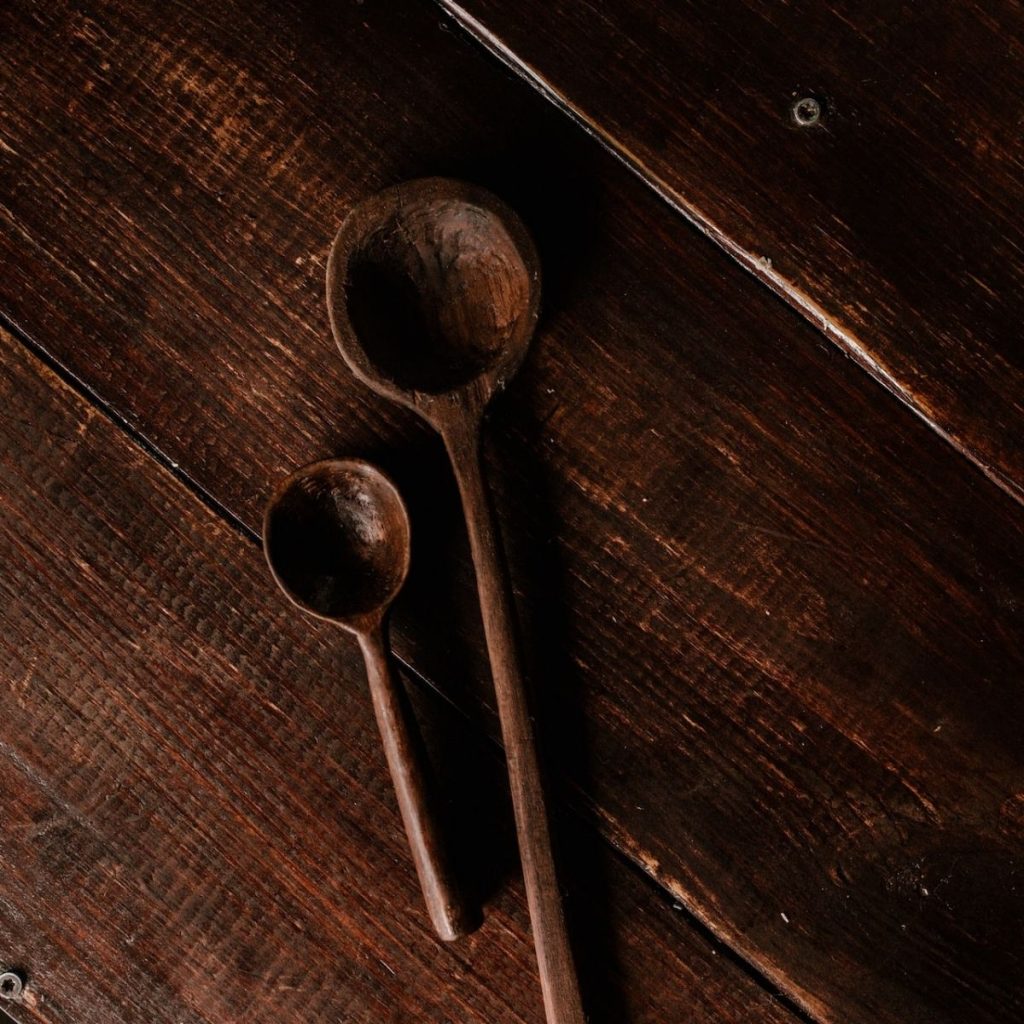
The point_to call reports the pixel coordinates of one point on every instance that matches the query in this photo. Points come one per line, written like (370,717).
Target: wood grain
(198,820)
(893,224)
(776,625)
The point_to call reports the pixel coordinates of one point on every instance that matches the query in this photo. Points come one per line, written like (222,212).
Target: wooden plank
(198,824)
(893,223)
(777,627)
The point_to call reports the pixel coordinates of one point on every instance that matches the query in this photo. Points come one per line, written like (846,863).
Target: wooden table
(773,603)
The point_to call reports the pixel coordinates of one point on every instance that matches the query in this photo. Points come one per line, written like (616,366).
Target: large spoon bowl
(433,291)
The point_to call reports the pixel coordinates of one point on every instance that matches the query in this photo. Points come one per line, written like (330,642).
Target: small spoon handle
(559,984)
(404,751)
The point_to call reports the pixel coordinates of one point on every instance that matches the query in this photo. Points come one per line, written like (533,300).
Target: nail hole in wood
(11,985)
(807,112)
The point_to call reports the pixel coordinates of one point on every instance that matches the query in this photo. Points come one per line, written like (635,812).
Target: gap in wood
(798,301)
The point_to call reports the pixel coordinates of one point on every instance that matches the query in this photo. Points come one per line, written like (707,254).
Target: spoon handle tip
(403,748)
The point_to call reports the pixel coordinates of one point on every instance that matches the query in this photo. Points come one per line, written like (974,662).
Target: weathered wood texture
(777,626)
(894,223)
(198,821)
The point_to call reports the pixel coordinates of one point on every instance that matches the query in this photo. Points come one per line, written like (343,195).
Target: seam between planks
(623,846)
(846,341)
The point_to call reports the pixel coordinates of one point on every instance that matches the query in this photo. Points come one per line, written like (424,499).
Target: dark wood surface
(775,620)
(198,820)
(894,223)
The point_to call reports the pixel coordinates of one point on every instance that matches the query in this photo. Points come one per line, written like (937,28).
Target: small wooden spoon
(336,537)
(433,289)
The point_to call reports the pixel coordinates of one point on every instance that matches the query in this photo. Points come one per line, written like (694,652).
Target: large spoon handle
(407,763)
(558,979)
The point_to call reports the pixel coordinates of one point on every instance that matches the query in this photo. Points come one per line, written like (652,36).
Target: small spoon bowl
(433,289)
(336,534)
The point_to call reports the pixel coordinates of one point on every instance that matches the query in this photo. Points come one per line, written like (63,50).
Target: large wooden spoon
(336,537)
(433,289)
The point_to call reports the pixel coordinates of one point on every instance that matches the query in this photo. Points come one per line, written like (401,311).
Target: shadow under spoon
(336,537)
(433,289)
